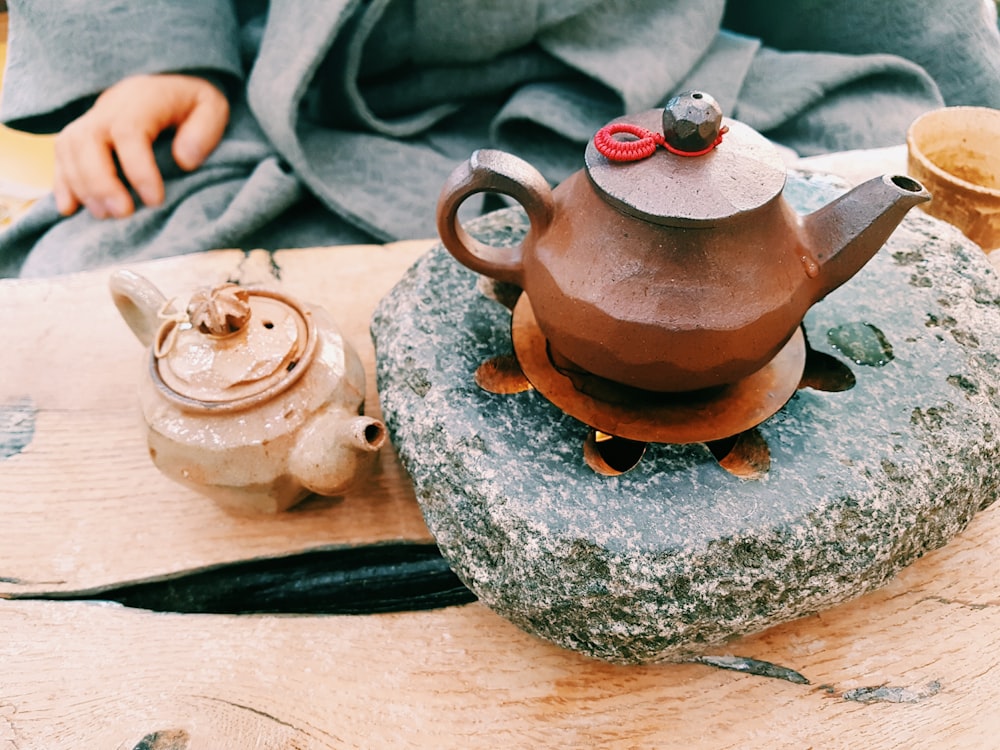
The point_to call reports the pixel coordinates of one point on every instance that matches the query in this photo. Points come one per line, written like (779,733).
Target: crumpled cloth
(347,116)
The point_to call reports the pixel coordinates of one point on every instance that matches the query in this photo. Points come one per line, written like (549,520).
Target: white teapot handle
(139,302)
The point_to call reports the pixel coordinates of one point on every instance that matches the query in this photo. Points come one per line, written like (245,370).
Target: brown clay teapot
(682,270)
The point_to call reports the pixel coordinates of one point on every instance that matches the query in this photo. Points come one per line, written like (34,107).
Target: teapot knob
(692,121)
(221,310)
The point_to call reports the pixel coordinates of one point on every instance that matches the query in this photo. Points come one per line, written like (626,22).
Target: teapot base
(635,414)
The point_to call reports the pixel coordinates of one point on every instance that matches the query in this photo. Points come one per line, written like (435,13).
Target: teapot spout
(845,234)
(335,450)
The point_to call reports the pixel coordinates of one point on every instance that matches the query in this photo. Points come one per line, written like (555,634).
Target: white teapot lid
(234,347)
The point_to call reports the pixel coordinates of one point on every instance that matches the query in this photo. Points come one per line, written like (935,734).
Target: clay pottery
(955,152)
(679,271)
(249,396)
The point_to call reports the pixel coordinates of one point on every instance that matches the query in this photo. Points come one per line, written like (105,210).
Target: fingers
(118,133)
(66,201)
(135,155)
(86,174)
(103,193)
(199,134)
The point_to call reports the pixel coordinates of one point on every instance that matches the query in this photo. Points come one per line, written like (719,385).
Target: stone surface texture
(678,554)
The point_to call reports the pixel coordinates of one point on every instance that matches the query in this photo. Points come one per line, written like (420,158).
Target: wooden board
(916,664)
(83,505)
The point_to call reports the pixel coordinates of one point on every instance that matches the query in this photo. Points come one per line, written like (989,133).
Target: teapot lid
(732,175)
(233,348)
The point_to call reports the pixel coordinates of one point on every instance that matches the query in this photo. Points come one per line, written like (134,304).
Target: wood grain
(84,507)
(913,665)
(925,650)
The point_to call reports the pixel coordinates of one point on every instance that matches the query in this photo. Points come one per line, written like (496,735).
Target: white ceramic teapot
(250,396)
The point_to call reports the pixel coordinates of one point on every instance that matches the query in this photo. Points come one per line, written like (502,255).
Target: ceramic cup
(955,153)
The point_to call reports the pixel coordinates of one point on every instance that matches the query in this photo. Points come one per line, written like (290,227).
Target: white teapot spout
(334,450)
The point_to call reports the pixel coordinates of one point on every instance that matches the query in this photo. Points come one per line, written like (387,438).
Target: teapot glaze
(684,269)
(250,396)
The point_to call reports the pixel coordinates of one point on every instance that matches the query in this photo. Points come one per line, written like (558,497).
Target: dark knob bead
(691,121)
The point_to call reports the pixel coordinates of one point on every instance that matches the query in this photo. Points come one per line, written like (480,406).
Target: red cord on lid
(645,145)
(616,150)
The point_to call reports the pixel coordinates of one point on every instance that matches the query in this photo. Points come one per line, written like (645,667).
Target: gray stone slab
(678,554)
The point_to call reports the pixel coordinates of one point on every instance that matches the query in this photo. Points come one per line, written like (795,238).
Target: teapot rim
(272,390)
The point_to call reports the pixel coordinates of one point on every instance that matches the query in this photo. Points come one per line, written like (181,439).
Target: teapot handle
(493,171)
(139,303)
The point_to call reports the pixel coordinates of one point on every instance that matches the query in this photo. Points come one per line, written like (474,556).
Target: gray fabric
(62,54)
(955,41)
(355,112)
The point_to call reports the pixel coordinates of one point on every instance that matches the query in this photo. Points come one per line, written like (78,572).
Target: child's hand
(123,123)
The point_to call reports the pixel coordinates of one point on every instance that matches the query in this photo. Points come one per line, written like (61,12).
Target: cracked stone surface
(678,554)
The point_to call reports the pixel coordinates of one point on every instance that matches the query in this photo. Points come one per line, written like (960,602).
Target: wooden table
(916,664)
